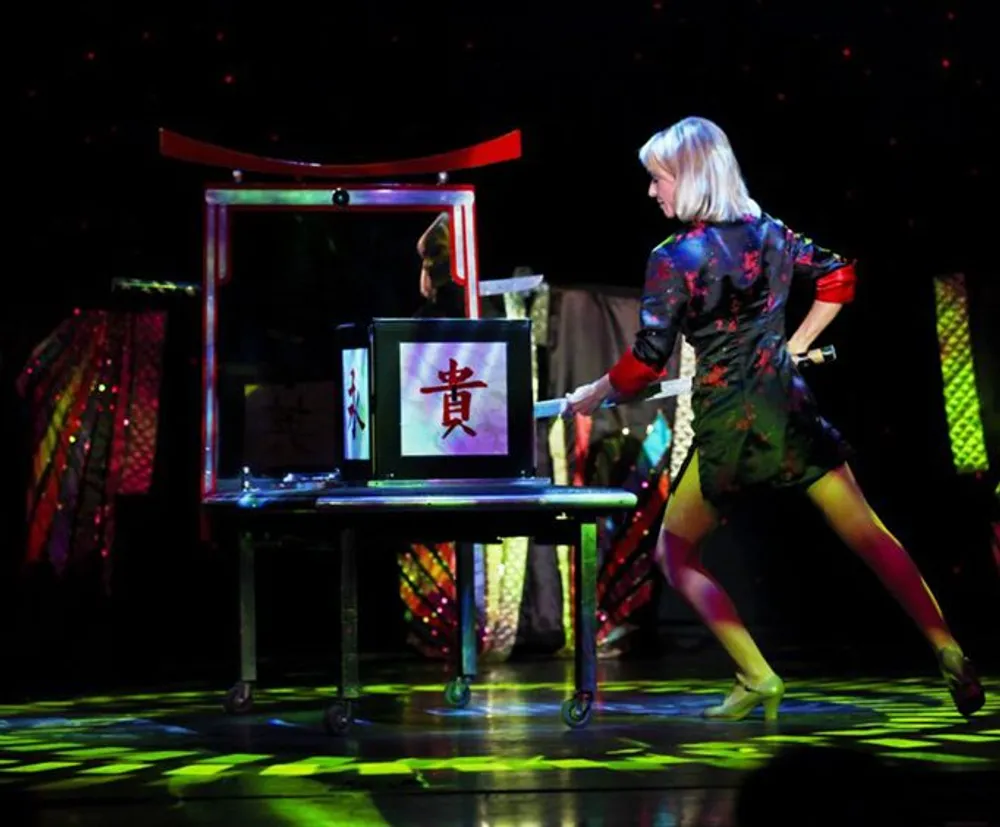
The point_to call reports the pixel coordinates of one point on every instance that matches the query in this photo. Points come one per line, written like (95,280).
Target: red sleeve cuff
(837,287)
(630,375)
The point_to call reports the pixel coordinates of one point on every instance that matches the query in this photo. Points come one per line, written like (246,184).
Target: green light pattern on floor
(115,769)
(825,690)
(912,717)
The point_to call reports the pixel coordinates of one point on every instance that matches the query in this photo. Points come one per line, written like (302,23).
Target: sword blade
(549,408)
(518,284)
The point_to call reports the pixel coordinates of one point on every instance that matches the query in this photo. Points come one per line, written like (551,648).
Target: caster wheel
(458,693)
(576,711)
(337,718)
(239,699)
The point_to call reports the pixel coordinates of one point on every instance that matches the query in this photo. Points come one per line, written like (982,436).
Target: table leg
(248,610)
(576,710)
(239,699)
(457,692)
(340,713)
(466,590)
(347,674)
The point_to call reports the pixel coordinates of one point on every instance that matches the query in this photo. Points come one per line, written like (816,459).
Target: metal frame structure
(458,201)
(221,200)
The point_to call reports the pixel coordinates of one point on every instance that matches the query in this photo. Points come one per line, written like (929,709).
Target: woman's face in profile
(662,187)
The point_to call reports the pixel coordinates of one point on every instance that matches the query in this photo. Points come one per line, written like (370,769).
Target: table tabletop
(513,496)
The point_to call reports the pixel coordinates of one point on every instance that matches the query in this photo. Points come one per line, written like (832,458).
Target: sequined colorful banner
(93,387)
(958,372)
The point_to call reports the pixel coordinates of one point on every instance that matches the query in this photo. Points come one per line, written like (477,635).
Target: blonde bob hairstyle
(709,184)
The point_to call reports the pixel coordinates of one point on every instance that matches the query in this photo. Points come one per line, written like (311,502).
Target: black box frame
(382,338)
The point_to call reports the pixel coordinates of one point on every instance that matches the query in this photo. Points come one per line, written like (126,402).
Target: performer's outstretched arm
(664,298)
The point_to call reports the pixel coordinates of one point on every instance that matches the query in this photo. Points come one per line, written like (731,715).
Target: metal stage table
(467,513)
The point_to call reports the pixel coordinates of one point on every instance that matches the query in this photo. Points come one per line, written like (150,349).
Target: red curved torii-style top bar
(505,148)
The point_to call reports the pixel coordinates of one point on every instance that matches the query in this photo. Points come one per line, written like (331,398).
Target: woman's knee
(675,556)
(870,537)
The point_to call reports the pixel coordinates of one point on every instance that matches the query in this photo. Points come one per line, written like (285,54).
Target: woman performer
(724,282)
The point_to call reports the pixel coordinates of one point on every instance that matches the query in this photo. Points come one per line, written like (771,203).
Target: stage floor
(647,758)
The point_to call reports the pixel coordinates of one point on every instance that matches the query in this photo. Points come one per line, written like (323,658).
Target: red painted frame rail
(495,151)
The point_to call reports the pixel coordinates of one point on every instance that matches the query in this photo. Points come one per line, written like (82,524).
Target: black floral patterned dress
(725,287)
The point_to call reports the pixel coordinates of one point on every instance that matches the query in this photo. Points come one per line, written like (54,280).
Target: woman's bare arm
(816,321)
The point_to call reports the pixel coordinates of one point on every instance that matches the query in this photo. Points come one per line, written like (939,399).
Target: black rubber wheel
(458,693)
(337,718)
(239,699)
(576,712)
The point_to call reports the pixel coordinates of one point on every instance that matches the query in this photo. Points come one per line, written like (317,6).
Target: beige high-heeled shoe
(963,683)
(746,697)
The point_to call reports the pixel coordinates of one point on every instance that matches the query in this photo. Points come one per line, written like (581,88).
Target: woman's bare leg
(839,497)
(689,518)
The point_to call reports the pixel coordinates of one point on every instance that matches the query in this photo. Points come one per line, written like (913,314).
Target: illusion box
(436,399)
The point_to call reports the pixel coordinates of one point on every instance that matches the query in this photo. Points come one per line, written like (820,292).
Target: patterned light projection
(958,372)
(427,589)
(93,387)
(70,745)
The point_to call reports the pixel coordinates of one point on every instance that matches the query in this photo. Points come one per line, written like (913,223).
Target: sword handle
(816,356)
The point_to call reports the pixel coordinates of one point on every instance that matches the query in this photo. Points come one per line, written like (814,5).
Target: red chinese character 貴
(457,400)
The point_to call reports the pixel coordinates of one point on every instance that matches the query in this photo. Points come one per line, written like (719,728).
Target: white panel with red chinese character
(357,444)
(453,399)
